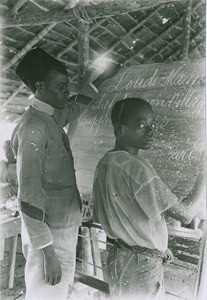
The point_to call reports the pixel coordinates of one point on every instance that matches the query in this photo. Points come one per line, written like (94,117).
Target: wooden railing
(90,267)
(185,244)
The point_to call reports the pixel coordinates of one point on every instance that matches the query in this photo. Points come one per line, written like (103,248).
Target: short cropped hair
(123,109)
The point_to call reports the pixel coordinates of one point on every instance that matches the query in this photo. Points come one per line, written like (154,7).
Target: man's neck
(42,106)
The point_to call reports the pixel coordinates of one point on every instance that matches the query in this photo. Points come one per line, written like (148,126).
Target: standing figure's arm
(29,146)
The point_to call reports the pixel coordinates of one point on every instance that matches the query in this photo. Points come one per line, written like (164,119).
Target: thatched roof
(130,31)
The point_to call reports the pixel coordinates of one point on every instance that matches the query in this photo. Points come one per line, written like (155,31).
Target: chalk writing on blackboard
(175,151)
(175,77)
(176,92)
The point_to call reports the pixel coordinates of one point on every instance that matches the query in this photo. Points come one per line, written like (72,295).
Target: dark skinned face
(54,90)
(137,133)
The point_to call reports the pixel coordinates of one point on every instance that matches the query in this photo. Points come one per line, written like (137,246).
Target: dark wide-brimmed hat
(35,65)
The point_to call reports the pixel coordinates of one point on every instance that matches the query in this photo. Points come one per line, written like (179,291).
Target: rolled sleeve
(30,161)
(38,231)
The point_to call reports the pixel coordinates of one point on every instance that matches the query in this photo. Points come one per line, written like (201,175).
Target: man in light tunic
(130,201)
(48,195)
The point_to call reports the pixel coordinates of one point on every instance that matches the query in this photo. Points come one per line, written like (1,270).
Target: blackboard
(176,92)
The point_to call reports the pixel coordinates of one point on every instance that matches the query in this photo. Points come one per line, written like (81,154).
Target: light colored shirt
(129,200)
(45,169)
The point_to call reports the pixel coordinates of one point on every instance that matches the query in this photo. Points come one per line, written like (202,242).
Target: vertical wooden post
(185,50)
(13,261)
(83,50)
(186,30)
(200,289)
(84,252)
(96,256)
(83,62)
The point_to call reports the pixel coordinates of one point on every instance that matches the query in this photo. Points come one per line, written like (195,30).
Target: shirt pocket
(58,167)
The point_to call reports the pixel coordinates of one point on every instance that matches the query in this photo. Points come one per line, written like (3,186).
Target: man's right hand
(52,267)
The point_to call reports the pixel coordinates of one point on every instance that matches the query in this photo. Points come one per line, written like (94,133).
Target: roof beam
(93,11)
(128,33)
(17,6)
(160,36)
(187,31)
(11,98)
(83,51)
(38,5)
(72,44)
(22,52)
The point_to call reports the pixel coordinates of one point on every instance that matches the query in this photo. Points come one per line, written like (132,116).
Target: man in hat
(47,191)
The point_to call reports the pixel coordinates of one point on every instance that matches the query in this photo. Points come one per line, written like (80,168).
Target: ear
(118,128)
(39,85)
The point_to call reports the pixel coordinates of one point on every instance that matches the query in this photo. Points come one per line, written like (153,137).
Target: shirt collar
(42,106)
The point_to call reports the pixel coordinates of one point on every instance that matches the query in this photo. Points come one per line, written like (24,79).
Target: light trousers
(65,241)
(134,276)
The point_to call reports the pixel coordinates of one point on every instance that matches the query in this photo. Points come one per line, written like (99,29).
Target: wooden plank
(186,258)
(182,232)
(94,11)
(92,282)
(182,248)
(10,227)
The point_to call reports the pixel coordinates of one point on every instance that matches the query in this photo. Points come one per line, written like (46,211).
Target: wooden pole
(152,41)
(96,255)
(13,262)
(185,49)
(12,97)
(17,6)
(22,52)
(38,37)
(186,31)
(200,289)
(83,51)
(93,27)
(39,5)
(84,254)
(84,245)
(103,9)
